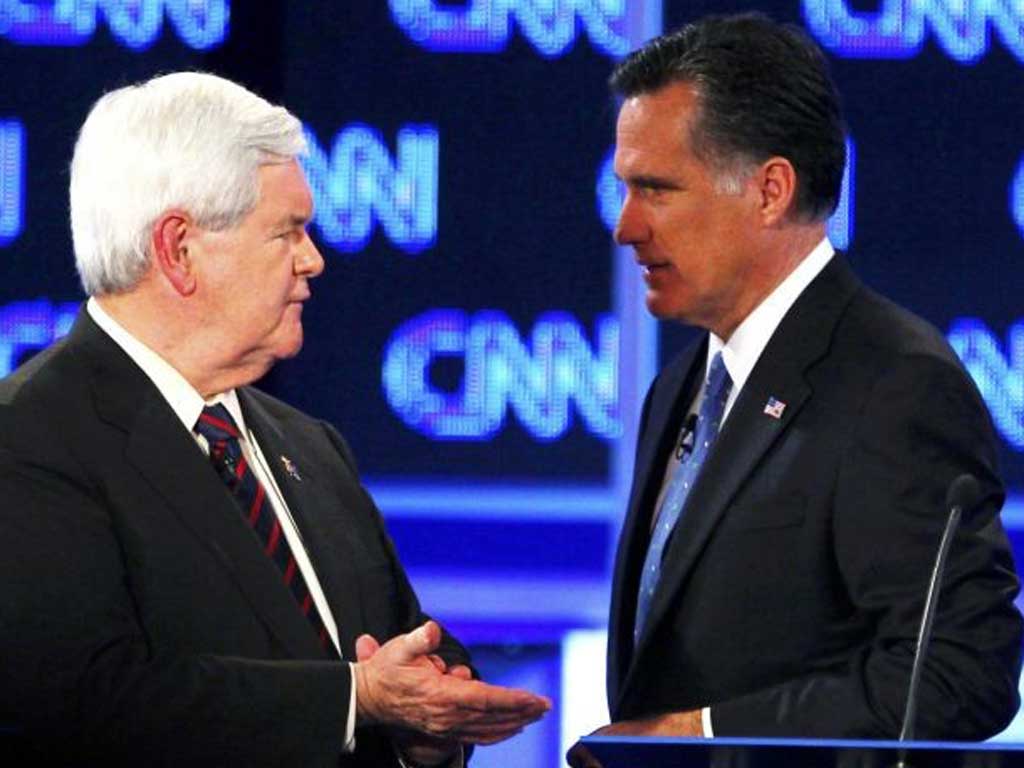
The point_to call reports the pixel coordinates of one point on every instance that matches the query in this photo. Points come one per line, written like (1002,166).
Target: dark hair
(763,90)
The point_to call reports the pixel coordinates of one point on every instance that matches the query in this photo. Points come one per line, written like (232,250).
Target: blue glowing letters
(27,325)
(610,192)
(897,30)
(999,377)
(12,179)
(200,24)
(499,371)
(358,182)
(840,224)
(1017,197)
(484,26)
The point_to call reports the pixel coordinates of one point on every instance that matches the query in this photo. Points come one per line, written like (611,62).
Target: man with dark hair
(792,465)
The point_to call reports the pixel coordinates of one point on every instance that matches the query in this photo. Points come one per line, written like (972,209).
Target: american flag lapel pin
(290,468)
(774,408)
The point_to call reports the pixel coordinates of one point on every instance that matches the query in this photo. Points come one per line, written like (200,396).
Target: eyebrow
(643,180)
(293,220)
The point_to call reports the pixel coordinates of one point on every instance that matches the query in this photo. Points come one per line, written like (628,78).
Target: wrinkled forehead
(667,111)
(284,191)
(655,123)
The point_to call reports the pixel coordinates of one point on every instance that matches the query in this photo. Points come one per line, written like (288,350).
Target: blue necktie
(709,419)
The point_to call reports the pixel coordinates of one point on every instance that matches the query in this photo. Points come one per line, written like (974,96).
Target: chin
(291,338)
(291,350)
(672,305)
(660,308)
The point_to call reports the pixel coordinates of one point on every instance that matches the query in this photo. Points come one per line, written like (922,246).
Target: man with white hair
(192,572)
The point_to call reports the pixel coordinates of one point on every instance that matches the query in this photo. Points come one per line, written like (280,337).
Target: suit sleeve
(923,425)
(78,679)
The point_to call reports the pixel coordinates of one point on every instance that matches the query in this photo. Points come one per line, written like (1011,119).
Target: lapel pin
(774,408)
(290,468)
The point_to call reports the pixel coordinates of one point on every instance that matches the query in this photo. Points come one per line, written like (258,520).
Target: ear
(777,185)
(170,244)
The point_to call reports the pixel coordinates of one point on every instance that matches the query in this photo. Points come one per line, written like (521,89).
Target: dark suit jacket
(139,618)
(792,588)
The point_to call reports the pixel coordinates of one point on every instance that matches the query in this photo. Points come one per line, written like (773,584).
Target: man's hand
(414,746)
(403,684)
(667,724)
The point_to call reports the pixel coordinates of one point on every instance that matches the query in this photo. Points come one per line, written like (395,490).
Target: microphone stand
(925,633)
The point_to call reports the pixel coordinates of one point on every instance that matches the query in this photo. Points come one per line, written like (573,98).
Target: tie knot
(716,394)
(216,425)
(718,376)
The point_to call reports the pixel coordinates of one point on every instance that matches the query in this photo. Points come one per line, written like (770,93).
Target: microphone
(684,445)
(962,497)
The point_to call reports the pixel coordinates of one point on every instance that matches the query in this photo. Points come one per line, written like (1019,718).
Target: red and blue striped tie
(222,435)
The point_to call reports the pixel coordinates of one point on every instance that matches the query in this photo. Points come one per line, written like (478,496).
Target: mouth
(653,268)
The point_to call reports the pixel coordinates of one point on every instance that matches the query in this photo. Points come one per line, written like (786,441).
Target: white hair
(187,140)
(730,175)
(730,182)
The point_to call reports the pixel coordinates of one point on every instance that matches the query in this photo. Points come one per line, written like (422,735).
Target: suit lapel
(170,461)
(329,542)
(664,411)
(802,338)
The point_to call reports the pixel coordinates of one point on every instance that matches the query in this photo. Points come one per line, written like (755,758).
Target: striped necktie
(222,435)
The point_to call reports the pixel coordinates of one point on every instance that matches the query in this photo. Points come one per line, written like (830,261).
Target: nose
(631,228)
(308,261)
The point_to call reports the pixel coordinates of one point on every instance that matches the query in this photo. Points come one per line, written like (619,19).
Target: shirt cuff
(348,744)
(705,722)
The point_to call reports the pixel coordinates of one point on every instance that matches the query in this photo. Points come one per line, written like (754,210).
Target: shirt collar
(743,349)
(184,400)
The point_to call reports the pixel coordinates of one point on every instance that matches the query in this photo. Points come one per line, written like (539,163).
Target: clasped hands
(430,708)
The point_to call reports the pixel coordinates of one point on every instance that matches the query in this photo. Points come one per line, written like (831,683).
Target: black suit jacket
(139,618)
(792,588)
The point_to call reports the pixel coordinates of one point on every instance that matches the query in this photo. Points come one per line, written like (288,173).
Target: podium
(650,752)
